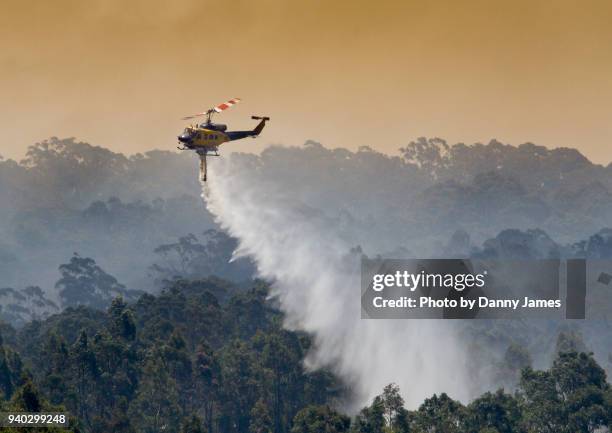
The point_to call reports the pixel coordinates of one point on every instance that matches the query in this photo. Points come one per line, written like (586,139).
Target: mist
(316,284)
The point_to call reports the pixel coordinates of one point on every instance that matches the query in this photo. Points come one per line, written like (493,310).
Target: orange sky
(347,73)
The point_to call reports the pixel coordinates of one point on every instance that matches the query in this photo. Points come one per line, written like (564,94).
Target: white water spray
(319,292)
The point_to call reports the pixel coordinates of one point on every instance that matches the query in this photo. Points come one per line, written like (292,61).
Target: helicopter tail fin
(237,135)
(260,125)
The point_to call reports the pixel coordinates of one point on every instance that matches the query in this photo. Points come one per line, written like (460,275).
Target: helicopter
(206,137)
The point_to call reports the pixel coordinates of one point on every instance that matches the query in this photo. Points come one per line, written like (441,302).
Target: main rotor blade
(219,108)
(193,116)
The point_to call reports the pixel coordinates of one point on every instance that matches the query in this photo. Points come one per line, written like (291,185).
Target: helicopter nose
(183,138)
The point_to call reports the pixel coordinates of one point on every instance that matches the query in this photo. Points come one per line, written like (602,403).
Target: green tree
(83,282)
(499,412)
(572,397)
(403,421)
(240,388)
(261,422)
(156,406)
(193,424)
(57,361)
(278,359)
(10,370)
(320,419)
(177,361)
(84,370)
(392,402)
(371,419)
(28,398)
(122,320)
(118,421)
(439,414)
(206,381)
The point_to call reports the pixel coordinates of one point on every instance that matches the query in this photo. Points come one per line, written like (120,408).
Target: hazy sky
(346,73)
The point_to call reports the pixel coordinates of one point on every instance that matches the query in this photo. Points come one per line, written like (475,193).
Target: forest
(123,303)
(207,356)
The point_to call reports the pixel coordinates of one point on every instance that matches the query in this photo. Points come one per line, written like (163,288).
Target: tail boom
(237,135)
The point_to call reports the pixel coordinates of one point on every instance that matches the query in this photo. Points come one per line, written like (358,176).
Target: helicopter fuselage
(207,137)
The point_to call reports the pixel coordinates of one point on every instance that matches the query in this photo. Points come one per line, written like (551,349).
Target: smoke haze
(299,211)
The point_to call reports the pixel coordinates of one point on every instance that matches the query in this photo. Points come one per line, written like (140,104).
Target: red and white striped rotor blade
(219,108)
